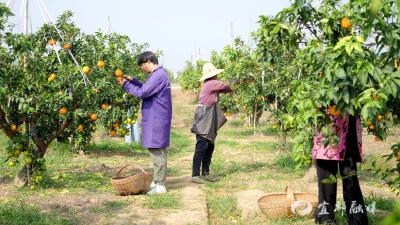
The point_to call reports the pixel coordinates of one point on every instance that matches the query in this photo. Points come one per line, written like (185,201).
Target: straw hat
(209,70)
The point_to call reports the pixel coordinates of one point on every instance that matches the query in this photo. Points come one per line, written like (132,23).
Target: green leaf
(358,47)
(284,26)
(363,78)
(349,48)
(276,29)
(346,95)
(341,43)
(324,20)
(299,3)
(328,74)
(340,73)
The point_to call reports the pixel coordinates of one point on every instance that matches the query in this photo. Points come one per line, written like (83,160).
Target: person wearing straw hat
(207,120)
(156,114)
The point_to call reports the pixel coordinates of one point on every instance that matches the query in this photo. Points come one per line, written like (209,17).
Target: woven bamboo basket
(134,184)
(278,204)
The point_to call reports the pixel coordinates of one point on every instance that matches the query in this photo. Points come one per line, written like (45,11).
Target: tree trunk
(254,118)
(284,141)
(258,117)
(22,177)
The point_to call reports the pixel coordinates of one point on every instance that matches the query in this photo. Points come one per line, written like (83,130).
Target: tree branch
(58,132)
(39,142)
(4,124)
(312,31)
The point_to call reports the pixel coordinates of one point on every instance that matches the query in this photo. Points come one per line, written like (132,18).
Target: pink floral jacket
(336,152)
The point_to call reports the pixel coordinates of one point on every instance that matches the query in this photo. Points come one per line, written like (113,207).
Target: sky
(179,28)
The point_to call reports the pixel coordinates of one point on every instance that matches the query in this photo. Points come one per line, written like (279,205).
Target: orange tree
(190,75)
(45,96)
(241,65)
(347,63)
(278,42)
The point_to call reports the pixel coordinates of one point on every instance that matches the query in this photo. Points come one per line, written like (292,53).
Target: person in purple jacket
(155,93)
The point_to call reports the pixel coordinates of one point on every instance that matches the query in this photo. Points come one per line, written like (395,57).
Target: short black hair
(146,57)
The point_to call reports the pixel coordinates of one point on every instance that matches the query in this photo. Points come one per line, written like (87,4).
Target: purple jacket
(209,94)
(156,107)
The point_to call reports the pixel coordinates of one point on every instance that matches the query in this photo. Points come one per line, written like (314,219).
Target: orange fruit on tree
(16,153)
(39,178)
(96,90)
(80,128)
(345,23)
(67,46)
(371,127)
(52,77)
(380,117)
(332,110)
(104,106)
(13,127)
(119,73)
(398,156)
(28,161)
(11,163)
(123,132)
(336,114)
(86,70)
(52,42)
(101,64)
(260,98)
(62,111)
(93,117)
(113,133)
(116,125)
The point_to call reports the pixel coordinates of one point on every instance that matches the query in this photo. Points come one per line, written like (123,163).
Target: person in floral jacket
(342,157)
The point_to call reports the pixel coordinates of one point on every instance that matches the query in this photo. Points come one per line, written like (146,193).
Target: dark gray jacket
(207,120)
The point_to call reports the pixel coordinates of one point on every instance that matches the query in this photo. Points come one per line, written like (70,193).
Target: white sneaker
(157,189)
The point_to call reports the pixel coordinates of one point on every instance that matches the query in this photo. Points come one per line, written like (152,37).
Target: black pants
(327,188)
(202,156)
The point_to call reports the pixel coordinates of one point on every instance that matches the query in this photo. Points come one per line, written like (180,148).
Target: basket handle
(289,193)
(130,165)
